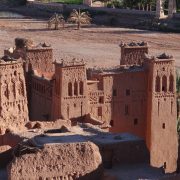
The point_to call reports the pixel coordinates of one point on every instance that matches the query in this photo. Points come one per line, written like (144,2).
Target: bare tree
(79,18)
(56,19)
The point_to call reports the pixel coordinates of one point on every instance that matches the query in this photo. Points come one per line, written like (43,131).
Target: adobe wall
(41,99)
(13,104)
(70,90)
(100,99)
(162,115)
(133,53)
(40,58)
(129,102)
(124,153)
(65,161)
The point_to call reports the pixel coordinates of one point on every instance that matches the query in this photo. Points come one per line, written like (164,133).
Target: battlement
(133,53)
(134,44)
(162,58)
(73,62)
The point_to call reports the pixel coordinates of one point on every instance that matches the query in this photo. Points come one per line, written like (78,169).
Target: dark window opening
(127,92)
(171,83)
(163,88)
(99,111)
(69,89)
(135,121)
(126,110)
(114,92)
(157,84)
(112,122)
(164,83)
(101,100)
(164,166)
(81,88)
(75,88)
(163,126)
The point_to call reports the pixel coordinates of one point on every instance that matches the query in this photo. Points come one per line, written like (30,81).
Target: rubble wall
(59,161)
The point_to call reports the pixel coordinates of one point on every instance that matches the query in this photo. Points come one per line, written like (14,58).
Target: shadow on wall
(5,158)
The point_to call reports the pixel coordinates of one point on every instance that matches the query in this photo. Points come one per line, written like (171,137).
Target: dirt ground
(97,45)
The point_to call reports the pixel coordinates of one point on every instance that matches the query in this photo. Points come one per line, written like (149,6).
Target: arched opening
(157,89)
(171,83)
(75,88)
(164,83)
(69,89)
(81,88)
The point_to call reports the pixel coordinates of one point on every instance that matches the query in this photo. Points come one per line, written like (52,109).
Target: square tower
(133,53)
(70,90)
(162,112)
(13,98)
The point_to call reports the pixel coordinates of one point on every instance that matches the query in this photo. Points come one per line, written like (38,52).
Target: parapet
(73,62)
(132,53)
(134,44)
(159,58)
(9,60)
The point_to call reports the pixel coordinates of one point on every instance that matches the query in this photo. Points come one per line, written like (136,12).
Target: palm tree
(79,18)
(56,19)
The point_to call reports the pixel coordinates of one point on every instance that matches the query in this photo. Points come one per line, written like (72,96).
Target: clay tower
(133,53)
(162,116)
(70,90)
(13,99)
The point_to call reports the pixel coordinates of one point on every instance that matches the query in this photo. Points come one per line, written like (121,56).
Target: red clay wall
(13,104)
(41,99)
(162,115)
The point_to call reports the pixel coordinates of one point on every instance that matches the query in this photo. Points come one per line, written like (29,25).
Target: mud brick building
(139,97)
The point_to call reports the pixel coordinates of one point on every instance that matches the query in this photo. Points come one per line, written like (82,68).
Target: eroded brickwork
(133,53)
(13,104)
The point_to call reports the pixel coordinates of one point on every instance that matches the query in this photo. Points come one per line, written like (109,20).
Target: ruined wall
(41,99)
(65,161)
(13,104)
(162,115)
(133,53)
(70,91)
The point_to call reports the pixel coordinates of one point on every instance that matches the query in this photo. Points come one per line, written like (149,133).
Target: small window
(164,166)
(81,88)
(69,89)
(127,92)
(114,92)
(75,88)
(99,111)
(163,126)
(135,121)
(112,123)
(126,110)
(164,83)
(101,99)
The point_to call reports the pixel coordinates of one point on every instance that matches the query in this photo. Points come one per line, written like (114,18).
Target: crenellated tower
(13,98)
(133,53)
(70,90)
(161,113)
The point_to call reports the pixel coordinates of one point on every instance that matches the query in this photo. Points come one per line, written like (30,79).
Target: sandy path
(98,46)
